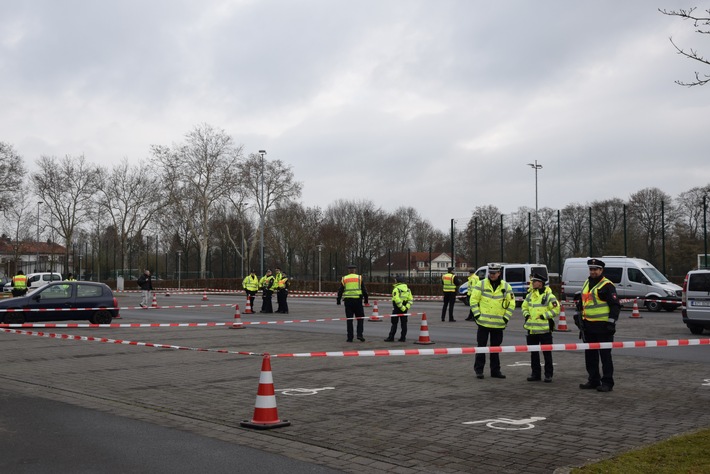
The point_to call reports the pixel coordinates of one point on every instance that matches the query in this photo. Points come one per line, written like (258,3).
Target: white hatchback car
(35,280)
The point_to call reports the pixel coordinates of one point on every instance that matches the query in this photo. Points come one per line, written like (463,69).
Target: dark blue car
(65,295)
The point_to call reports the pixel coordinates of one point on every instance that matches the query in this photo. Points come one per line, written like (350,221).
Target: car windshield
(654,275)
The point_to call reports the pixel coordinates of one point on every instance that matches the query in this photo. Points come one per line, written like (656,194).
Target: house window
(420,264)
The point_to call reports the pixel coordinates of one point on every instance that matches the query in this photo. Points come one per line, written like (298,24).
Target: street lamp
(179,252)
(261,210)
(320,249)
(37,263)
(536,167)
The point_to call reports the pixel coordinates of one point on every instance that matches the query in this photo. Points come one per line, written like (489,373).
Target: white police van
(696,301)
(516,274)
(633,278)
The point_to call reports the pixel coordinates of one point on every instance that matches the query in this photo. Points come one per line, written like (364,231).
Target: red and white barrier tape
(43,310)
(395,352)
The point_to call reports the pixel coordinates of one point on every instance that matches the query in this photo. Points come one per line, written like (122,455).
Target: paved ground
(373,414)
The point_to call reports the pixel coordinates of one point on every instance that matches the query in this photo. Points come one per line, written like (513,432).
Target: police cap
(352,265)
(494,267)
(537,277)
(595,263)
(450,269)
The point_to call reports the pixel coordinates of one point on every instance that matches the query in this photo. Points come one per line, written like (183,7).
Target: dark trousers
(592,357)
(266,306)
(496,336)
(281,296)
(536,340)
(449,300)
(394,320)
(354,309)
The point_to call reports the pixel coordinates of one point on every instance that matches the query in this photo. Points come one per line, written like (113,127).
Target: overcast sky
(437,105)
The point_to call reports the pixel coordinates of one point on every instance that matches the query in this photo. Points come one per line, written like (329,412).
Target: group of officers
(269,284)
(492,302)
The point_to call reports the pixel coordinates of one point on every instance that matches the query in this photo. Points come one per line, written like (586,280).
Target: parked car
(633,277)
(64,294)
(516,274)
(696,301)
(35,280)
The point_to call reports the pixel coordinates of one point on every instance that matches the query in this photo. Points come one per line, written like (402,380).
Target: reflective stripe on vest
(594,309)
(448,281)
(352,286)
(494,305)
(537,305)
(20,281)
(251,283)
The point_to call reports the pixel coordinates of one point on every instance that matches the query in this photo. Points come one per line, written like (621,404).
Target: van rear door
(697,294)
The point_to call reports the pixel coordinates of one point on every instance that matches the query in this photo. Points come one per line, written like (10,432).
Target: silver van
(696,301)
(633,277)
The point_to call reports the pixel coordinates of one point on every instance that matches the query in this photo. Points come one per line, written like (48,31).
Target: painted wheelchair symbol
(508,423)
(302,391)
(706,384)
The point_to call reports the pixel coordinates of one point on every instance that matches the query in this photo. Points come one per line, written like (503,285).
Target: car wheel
(14,318)
(102,317)
(653,305)
(695,329)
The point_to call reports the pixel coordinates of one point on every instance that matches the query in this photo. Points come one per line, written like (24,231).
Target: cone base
(236,326)
(424,342)
(378,320)
(265,426)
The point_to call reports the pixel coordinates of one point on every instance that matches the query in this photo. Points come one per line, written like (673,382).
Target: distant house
(418,265)
(30,257)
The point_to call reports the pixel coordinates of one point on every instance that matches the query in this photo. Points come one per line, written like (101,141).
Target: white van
(36,280)
(633,277)
(516,274)
(696,301)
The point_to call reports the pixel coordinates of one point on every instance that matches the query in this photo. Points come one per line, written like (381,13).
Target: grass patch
(688,453)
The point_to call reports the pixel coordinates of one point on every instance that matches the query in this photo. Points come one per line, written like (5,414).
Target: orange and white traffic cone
(204,295)
(424,332)
(266,414)
(154,304)
(562,326)
(237,323)
(248,308)
(375,318)
(635,311)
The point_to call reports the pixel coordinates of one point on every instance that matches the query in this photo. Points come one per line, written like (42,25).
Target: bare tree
(268,183)
(645,208)
(128,197)
(67,187)
(198,175)
(12,172)
(702,26)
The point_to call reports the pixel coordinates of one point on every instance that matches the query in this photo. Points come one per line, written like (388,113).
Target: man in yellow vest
(540,307)
(401,303)
(266,282)
(282,293)
(352,290)
(19,284)
(599,307)
(450,282)
(492,305)
(251,286)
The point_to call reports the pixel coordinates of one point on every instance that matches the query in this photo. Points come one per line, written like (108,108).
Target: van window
(34,278)
(654,275)
(635,275)
(613,274)
(481,274)
(513,275)
(541,270)
(699,282)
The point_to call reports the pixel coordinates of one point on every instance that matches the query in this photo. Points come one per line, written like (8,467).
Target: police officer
(540,307)
(275,286)
(450,283)
(19,284)
(352,290)
(70,277)
(282,293)
(251,286)
(473,280)
(266,282)
(492,305)
(599,307)
(401,303)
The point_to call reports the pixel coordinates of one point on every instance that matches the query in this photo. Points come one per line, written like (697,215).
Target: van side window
(481,274)
(699,282)
(635,275)
(613,274)
(513,275)
(56,277)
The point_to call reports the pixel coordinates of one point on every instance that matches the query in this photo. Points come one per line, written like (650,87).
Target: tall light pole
(179,252)
(37,262)
(261,211)
(536,167)
(320,249)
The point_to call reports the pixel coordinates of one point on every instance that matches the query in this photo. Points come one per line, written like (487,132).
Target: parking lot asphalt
(401,414)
